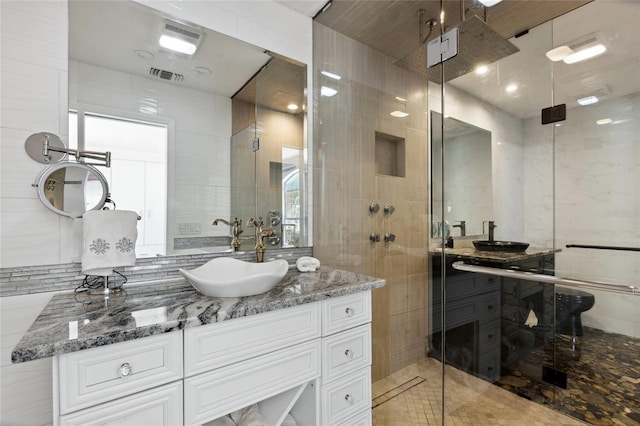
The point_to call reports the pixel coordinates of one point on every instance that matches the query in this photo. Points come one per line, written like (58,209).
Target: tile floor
(412,396)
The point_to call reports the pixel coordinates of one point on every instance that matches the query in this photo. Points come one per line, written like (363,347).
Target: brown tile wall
(346,183)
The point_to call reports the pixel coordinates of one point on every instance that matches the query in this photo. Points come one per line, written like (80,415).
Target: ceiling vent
(165,75)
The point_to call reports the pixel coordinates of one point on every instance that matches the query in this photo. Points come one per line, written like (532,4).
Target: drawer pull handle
(348,353)
(125,370)
(490,336)
(351,400)
(350,311)
(490,307)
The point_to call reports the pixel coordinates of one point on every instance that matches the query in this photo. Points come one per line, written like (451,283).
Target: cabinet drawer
(97,375)
(489,366)
(360,419)
(346,397)
(219,392)
(489,306)
(345,312)
(160,406)
(488,334)
(227,342)
(346,352)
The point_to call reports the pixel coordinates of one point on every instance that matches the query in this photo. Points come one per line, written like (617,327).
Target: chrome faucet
(463,228)
(260,234)
(236,229)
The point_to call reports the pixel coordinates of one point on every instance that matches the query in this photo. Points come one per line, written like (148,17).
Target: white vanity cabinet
(311,361)
(346,360)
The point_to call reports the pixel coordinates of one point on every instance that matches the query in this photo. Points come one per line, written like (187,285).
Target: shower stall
(494,130)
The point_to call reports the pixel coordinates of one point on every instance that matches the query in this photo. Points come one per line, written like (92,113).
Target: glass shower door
(565,176)
(597,214)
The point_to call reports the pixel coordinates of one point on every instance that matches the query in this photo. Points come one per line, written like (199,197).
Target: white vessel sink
(228,277)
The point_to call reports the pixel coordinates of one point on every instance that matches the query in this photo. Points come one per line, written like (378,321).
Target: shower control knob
(388,209)
(374,238)
(389,238)
(374,208)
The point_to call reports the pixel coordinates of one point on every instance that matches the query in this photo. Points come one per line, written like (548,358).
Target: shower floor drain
(398,390)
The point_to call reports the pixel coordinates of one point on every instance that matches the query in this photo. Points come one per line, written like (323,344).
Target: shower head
(478,44)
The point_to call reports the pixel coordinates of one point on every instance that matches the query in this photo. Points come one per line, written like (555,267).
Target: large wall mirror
(468,189)
(219,133)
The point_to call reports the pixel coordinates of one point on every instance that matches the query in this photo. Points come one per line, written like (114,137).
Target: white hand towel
(307,264)
(532,319)
(109,240)
(253,417)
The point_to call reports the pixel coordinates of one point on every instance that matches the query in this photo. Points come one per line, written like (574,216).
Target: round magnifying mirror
(71,189)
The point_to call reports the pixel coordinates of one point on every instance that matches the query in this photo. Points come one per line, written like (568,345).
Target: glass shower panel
(497,186)
(597,212)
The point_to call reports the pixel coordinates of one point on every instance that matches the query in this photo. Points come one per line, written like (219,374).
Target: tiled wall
(44,278)
(345,184)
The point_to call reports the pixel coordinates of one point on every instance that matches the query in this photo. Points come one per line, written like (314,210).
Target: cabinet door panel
(156,407)
(102,374)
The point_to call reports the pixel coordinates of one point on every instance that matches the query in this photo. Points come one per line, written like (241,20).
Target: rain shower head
(478,44)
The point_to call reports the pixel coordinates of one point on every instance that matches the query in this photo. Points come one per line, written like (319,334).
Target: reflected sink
(228,277)
(508,246)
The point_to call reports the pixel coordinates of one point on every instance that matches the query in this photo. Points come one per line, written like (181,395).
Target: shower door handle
(549,279)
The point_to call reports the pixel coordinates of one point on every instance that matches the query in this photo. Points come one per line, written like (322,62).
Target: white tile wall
(597,176)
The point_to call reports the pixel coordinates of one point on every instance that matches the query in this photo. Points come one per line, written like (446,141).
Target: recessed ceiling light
(179,38)
(587,100)
(482,69)
(143,54)
(604,121)
(399,114)
(330,75)
(489,3)
(177,44)
(584,54)
(292,107)
(327,91)
(511,88)
(559,53)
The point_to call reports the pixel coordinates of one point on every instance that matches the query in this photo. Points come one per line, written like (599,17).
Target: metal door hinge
(442,48)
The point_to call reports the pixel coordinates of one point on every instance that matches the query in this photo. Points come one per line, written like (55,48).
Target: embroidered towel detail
(307,264)
(109,240)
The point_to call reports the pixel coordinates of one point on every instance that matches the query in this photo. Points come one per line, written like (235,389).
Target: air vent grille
(165,75)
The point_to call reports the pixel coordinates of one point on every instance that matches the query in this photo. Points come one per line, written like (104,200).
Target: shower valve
(374,238)
(374,208)
(389,238)
(388,209)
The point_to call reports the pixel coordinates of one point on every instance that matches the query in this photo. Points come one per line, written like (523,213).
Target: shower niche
(390,155)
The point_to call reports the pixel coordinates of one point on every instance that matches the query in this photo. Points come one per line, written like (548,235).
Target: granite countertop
(473,255)
(75,321)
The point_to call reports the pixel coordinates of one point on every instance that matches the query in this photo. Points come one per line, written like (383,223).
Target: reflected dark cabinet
(523,300)
(471,321)
(486,316)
